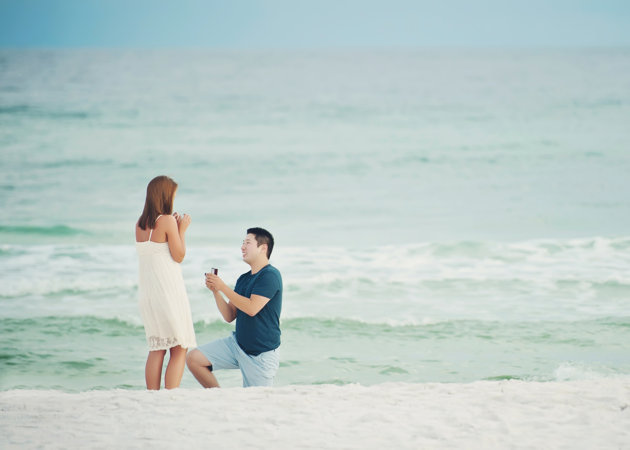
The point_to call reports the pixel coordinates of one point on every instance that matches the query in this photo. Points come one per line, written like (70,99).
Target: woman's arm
(175,229)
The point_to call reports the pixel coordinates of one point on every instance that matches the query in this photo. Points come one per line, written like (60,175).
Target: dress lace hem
(160,343)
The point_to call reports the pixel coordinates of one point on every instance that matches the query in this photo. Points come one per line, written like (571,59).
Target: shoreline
(483,414)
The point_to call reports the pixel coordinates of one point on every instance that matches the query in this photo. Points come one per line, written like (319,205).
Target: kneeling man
(255,303)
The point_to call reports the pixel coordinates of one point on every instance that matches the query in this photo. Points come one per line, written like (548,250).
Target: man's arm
(227,310)
(250,306)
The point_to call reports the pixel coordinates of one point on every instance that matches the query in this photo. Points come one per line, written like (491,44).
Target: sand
(490,414)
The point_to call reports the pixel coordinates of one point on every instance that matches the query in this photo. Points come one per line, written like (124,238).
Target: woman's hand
(183,221)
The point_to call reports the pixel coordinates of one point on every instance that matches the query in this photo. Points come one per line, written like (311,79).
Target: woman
(162,294)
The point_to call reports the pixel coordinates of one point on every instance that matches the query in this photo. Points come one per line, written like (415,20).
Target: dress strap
(151,232)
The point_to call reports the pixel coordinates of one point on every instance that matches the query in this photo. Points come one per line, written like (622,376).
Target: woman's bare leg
(175,367)
(153,369)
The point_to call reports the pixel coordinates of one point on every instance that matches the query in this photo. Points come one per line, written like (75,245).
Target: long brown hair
(160,194)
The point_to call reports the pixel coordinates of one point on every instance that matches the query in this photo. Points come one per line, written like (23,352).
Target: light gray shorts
(258,370)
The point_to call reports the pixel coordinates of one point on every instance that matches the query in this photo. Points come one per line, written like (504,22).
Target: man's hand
(214,283)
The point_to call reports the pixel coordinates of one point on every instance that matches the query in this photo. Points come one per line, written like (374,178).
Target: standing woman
(163,300)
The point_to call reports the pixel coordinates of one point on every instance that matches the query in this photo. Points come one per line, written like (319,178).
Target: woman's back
(162,295)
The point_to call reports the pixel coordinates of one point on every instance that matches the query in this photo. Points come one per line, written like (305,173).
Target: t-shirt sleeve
(266,285)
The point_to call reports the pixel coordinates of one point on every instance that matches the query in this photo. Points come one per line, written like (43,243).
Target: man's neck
(258,265)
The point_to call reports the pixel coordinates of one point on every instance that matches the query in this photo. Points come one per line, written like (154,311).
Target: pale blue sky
(313,24)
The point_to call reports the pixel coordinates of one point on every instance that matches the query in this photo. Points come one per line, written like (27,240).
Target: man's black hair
(262,237)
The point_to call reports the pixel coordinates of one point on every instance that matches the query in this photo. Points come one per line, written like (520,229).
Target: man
(255,303)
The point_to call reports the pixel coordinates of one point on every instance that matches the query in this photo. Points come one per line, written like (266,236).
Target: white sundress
(163,301)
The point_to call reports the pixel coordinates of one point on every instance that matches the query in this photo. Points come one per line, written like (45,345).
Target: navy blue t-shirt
(260,333)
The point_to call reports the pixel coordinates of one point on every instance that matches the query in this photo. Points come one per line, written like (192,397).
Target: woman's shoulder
(165,220)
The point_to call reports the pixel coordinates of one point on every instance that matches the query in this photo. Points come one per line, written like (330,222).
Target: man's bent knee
(191,357)
(195,358)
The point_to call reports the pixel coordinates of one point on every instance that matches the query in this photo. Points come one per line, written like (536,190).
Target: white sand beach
(490,414)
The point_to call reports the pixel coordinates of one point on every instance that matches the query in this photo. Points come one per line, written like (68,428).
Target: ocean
(440,215)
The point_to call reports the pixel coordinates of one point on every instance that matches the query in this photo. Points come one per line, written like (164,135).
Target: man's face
(250,249)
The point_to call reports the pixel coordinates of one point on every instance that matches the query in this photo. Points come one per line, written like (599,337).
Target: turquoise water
(440,215)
